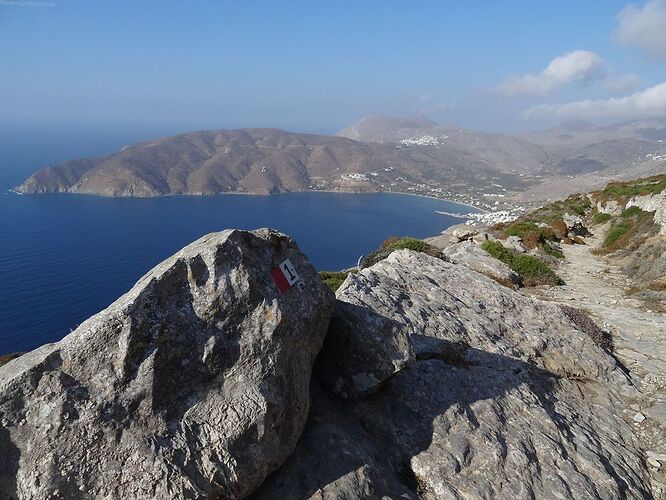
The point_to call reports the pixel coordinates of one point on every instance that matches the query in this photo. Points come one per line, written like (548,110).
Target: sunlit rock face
(194,384)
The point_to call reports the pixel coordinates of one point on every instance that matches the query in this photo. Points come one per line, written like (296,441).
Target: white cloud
(647,103)
(579,66)
(644,27)
(622,83)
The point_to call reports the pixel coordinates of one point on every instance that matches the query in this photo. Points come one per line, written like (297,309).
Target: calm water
(66,257)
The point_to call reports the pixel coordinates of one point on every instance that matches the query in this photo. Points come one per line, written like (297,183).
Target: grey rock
(482,237)
(611,207)
(575,225)
(469,254)
(335,459)
(463,233)
(194,384)
(652,203)
(361,351)
(513,243)
(507,400)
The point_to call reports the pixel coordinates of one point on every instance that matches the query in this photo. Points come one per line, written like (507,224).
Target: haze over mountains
(413,155)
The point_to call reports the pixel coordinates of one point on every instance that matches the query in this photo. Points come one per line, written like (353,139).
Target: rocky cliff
(432,381)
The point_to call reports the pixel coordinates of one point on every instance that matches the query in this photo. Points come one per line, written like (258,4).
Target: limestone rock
(482,237)
(194,384)
(575,225)
(468,254)
(361,351)
(513,243)
(652,203)
(463,233)
(335,459)
(508,400)
(611,207)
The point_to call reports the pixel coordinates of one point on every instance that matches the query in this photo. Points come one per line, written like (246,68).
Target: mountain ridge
(413,155)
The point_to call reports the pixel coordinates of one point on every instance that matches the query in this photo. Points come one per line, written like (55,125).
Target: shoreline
(99,195)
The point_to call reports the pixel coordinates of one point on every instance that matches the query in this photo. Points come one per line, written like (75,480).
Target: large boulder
(471,255)
(513,243)
(361,351)
(194,384)
(575,225)
(507,400)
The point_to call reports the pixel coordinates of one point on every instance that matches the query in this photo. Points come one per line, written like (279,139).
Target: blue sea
(66,257)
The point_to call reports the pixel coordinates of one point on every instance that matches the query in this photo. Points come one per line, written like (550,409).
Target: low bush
(521,228)
(497,250)
(534,271)
(394,243)
(531,269)
(587,325)
(630,212)
(552,251)
(601,218)
(622,191)
(630,231)
(333,279)
(615,233)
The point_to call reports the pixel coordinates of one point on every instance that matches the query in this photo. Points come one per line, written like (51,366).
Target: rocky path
(595,284)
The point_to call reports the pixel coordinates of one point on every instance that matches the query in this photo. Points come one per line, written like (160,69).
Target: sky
(172,66)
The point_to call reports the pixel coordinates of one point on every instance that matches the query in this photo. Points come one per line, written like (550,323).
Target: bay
(66,257)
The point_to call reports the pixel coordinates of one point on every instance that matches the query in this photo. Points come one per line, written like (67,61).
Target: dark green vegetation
(552,251)
(546,215)
(583,321)
(628,230)
(540,228)
(622,191)
(531,269)
(333,279)
(601,218)
(394,243)
(575,204)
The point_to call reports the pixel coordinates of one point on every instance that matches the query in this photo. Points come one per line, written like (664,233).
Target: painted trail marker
(285,276)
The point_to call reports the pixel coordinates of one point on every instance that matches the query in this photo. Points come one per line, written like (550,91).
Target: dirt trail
(597,285)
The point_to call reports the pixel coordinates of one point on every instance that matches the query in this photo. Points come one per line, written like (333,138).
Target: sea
(66,257)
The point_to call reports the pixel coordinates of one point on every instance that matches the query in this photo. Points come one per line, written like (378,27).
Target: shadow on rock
(364,449)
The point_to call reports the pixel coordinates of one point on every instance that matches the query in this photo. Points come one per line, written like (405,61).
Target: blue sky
(318,66)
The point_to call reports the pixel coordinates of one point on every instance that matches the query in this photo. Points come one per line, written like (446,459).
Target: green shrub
(601,217)
(333,279)
(534,271)
(615,233)
(552,251)
(631,212)
(531,269)
(394,243)
(497,250)
(521,228)
(639,187)
(411,244)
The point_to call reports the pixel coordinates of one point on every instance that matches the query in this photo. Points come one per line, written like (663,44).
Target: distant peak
(387,129)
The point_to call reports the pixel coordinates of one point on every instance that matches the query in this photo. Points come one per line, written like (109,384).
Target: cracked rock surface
(506,399)
(194,384)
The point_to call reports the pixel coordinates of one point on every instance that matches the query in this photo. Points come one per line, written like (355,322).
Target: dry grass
(6,358)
